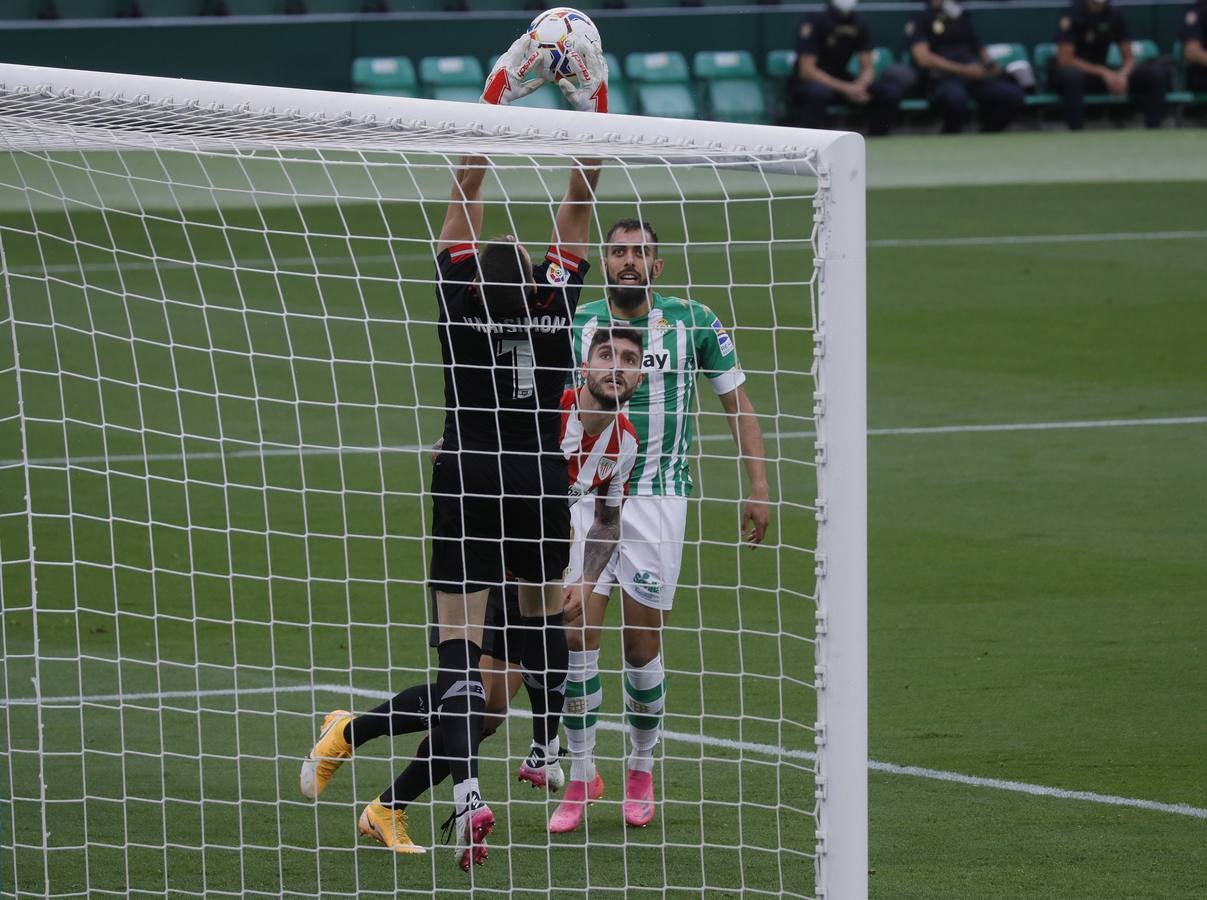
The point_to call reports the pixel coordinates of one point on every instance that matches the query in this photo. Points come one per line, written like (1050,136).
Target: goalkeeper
(499,483)
(682,338)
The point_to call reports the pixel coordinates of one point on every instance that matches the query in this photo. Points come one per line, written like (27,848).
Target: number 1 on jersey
(517,355)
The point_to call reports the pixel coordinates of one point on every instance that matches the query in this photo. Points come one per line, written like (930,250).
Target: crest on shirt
(909,27)
(606,468)
(557,274)
(1192,17)
(1065,23)
(806,30)
(939,27)
(724,341)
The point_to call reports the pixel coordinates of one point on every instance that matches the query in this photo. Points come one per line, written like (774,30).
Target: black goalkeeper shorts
(493,512)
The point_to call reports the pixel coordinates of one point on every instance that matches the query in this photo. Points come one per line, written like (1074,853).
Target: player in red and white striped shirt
(600,444)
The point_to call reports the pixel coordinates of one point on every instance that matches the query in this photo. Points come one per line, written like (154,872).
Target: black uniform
(1194,28)
(1091,30)
(999,98)
(499,483)
(834,37)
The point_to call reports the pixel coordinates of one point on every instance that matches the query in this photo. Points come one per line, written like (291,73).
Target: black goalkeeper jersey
(503,378)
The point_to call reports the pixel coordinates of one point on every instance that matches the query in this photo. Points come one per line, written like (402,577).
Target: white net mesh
(219,373)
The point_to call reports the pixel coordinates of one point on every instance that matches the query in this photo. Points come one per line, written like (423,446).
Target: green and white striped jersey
(682,338)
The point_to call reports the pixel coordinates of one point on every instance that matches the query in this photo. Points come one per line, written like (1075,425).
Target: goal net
(219,377)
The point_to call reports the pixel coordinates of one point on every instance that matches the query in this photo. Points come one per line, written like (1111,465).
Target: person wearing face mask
(957,70)
(1194,46)
(1084,37)
(825,43)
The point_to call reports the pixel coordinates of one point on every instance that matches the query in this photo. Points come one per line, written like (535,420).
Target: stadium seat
(661,84)
(882,58)
(732,89)
(618,86)
(1005,54)
(340,7)
(778,68)
(1143,51)
(452,78)
(1041,56)
(392,76)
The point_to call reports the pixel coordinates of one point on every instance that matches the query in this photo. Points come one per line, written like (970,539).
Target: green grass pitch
(1037,602)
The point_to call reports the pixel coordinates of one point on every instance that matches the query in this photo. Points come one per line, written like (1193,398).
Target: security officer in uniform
(824,46)
(1194,46)
(1087,30)
(956,69)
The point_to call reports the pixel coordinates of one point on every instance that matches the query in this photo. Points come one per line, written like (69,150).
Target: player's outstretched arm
(572,226)
(463,220)
(744,424)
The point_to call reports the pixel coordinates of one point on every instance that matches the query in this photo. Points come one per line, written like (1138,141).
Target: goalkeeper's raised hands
(587,86)
(516,73)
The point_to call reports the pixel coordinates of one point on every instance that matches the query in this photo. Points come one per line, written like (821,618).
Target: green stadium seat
(392,76)
(1143,51)
(661,84)
(338,7)
(779,64)
(1005,54)
(618,86)
(457,78)
(1041,55)
(777,67)
(882,58)
(732,89)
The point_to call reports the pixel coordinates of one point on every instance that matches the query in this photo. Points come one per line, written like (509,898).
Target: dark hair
(603,335)
(505,277)
(633,225)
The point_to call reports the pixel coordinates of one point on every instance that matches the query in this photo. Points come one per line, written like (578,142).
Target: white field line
(265,262)
(258,452)
(678,737)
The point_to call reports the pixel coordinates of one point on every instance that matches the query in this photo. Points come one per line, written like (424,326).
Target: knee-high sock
(406,712)
(425,771)
(644,692)
(544,663)
(460,702)
(584,696)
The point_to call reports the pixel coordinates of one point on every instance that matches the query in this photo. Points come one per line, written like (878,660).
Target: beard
(628,296)
(606,398)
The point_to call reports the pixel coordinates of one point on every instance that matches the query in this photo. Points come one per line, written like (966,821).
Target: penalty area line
(678,737)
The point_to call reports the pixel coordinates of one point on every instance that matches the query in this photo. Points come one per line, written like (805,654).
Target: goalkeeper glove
(587,87)
(509,80)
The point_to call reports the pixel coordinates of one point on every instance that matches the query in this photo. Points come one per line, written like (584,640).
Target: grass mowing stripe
(679,737)
(708,438)
(277,262)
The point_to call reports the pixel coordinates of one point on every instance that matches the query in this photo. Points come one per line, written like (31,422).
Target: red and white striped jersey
(599,464)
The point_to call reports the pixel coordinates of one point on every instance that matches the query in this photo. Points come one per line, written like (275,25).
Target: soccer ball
(557,33)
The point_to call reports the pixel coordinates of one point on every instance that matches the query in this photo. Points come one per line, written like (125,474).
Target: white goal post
(217,378)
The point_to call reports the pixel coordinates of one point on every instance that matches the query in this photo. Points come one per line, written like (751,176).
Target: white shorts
(646,563)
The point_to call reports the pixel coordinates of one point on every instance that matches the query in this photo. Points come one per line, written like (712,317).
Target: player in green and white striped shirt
(683,339)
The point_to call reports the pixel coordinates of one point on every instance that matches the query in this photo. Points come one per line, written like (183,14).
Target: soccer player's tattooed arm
(600,543)
(463,220)
(744,424)
(572,226)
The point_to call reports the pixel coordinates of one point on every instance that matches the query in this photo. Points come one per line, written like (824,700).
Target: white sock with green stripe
(584,695)
(644,693)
